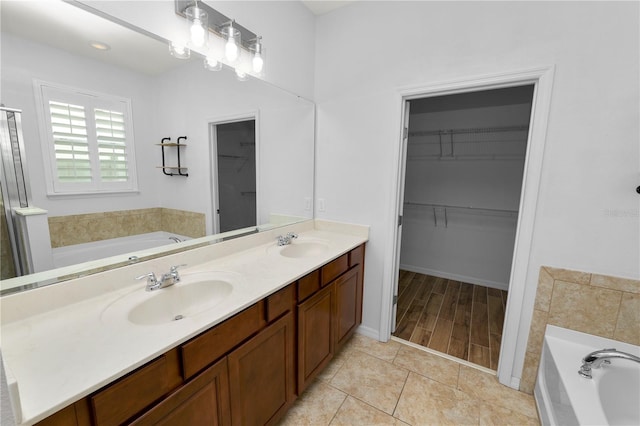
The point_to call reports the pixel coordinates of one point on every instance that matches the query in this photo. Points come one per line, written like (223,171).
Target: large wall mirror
(260,132)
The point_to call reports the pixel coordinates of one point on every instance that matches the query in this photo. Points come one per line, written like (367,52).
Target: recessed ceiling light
(99,45)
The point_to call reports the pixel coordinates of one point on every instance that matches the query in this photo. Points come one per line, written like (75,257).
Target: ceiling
(320,7)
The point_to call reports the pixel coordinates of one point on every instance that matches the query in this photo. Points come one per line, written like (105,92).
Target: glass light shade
(257,52)
(212,64)
(241,75)
(198,25)
(179,51)
(232,45)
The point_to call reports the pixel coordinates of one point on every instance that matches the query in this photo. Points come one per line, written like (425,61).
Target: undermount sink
(194,294)
(304,248)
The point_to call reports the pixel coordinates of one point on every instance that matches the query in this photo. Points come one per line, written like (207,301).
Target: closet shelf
(489,143)
(441,211)
(479,210)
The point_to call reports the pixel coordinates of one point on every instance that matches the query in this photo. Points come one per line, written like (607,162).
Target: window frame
(90,100)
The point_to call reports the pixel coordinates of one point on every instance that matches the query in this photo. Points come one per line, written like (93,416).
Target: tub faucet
(166,280)
(596,358)
(286,239)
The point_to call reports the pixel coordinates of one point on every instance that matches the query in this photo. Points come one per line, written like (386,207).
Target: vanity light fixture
(179,51)
(198,25)
(257,51)
(229,42)
(212,64)
(232,37)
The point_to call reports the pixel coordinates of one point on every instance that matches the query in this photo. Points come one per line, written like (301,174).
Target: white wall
(23,61)
(286,27)
(587,214)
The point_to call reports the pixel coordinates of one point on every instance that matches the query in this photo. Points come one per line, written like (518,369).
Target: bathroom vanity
(243,361)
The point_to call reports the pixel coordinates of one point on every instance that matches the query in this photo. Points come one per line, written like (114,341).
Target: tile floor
(374,383)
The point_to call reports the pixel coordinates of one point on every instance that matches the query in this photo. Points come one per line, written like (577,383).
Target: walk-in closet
(463,177)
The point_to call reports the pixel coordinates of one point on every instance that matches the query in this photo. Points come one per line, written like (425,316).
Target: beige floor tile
(336,363)
(316,406)
(427,402)
(429,365)
(386,351)
(356,412)
(372,380)
(486,387)
(500,416)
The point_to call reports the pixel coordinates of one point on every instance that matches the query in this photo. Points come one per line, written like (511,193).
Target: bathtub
(563,397)
(80,253)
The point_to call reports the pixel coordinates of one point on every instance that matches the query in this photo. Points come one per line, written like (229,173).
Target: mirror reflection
(130,152)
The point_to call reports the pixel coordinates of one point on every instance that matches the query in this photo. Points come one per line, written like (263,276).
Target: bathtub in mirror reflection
(169,98)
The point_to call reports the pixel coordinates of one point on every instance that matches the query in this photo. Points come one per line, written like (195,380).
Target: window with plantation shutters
(90,141)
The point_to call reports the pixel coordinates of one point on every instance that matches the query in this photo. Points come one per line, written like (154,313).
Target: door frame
(213,160)
(517,316)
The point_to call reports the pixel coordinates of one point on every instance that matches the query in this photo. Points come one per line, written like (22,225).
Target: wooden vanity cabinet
(202,401)
(243,371)
(328,317)
(262,375)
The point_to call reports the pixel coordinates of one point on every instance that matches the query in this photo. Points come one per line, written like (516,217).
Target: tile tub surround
(40,326)
(595,304)
(85,228)
(375,383)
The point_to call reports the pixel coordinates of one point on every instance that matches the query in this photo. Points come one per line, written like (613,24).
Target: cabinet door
(262,375)
(315,335)
(348,301)
(202,401)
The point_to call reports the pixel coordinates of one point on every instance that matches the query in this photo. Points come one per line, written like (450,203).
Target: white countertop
(58,347)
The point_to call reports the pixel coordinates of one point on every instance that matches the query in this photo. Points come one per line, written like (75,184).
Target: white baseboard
(456,277)
(369,332)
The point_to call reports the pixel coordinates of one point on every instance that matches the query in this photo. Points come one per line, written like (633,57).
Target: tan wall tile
(568,275)
(588,309)
(628,324)
(615,283)
(545,289)
(530,371)
(536,332)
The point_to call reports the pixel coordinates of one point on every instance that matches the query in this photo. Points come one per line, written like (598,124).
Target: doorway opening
(461,181)
(234,176)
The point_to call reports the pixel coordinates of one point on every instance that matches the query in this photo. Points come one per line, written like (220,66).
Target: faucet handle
(292,235)
(151,278)
(174,268)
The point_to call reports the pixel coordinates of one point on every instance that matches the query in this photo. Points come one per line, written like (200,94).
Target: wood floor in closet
(457,318)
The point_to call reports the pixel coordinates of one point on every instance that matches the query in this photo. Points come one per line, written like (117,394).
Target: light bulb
(231,50)
(258,63)
(212,64)
(179,51)
(197,33)
(241,75)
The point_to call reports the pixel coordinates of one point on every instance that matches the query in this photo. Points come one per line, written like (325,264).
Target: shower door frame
(518,310)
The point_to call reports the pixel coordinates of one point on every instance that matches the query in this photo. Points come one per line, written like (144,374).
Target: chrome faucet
(286,240)
(597,358)
(166,280)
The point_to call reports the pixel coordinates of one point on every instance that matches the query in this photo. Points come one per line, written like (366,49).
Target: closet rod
(475,209)
(470,130)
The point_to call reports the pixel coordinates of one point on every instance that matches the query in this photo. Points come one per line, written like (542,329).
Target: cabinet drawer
(334,269)
(211,345)
(308,285)
(280,302)
(356,256)
(133,393)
